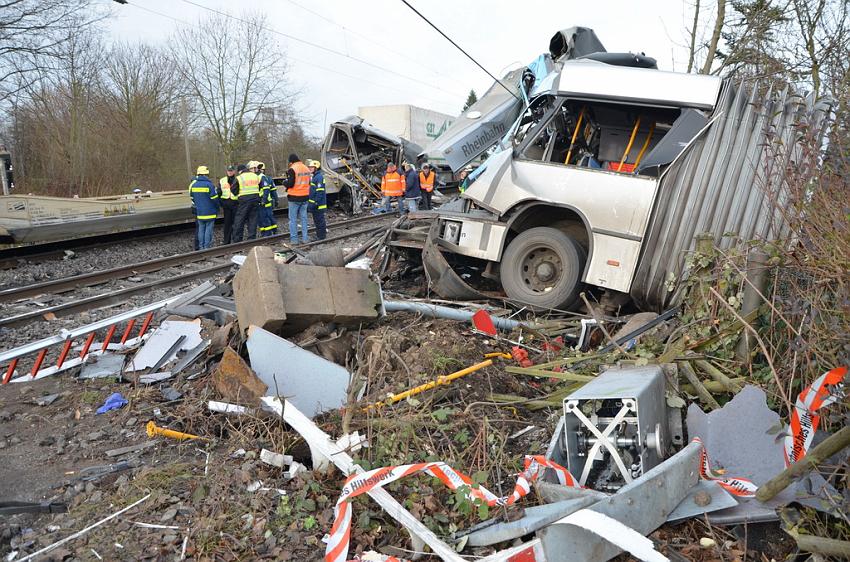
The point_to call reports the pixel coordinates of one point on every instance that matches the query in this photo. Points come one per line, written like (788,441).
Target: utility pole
(184,112)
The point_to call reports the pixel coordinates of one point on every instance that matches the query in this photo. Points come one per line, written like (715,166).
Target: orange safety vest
(301,188)
(427,182)
(393,184)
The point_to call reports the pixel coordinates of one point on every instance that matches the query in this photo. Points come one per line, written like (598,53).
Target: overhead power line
(458,47)
(311,64)
(322,47)
(366,38)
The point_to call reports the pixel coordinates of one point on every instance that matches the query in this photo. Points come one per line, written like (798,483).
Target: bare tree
(32,32)
(715,37)
(231,77)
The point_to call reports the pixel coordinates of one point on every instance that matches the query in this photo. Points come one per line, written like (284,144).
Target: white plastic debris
(227,408)
(275,459)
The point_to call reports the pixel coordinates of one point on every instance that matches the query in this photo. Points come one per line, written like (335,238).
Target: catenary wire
(459,48)
(366,38)
(322,47)
(296,59)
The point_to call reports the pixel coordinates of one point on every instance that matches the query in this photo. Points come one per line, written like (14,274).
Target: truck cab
(568,201)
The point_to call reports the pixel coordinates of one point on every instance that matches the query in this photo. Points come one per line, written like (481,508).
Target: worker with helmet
(228,190)
(205,200)
(318,201)
(392,188)
(249,203)
(297,184)
(268,225)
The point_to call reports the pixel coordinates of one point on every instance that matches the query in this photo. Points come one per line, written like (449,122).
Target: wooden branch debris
(831,445)
(703,393)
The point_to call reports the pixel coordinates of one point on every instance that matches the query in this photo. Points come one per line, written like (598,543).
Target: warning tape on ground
(358,484)
(826,389)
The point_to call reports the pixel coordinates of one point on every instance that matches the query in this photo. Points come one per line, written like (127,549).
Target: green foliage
(470,100)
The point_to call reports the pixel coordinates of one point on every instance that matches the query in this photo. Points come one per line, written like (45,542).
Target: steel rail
(97,277)
(106,299)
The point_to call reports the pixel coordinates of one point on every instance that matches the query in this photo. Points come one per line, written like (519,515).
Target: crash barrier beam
(66,337)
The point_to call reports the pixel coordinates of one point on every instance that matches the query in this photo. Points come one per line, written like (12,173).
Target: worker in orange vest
(297,184)
(427,182)
(392,187)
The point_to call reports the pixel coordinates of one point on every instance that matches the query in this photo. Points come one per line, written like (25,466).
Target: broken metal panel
(160,342)
(574,42)
(642,505)
(482,125)
(101,366)
(312,383)
(722,183)
(707,496)
(741,437)
(591,80)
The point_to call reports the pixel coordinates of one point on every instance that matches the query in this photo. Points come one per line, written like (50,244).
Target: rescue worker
(268,224)
(427,181)
(297,184)
(228,190)
(318,201)
(205,200)
(248,209)
(392,187)
(412,191)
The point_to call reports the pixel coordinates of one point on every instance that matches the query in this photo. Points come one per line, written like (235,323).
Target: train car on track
(38,218)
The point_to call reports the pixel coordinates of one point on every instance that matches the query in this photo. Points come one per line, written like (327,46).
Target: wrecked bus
(606,177)
(354,158)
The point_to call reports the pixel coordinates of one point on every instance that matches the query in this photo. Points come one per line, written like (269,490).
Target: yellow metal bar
(498,354)
(631,142)
(429,385)
(575,135)
(154,430)
(360,178)
(645,145)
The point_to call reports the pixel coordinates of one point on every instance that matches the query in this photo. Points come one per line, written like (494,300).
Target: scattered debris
(234,380)
(130,449)
(313,384)
(113,402)
(275,459)
(102,366)
(154,430)
(158,348)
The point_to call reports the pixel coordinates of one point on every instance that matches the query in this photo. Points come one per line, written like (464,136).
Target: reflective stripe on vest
(427,183)
(302,180)
(391,184)
(249,184)
(206,217)
(226,193)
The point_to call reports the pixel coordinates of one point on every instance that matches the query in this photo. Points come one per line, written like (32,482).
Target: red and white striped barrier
(12,358)
(357,484)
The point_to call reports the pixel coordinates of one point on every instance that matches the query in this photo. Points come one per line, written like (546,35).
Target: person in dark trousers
(412,191)
(205,200)
(427,183)
(297,184)
(318,202)
(248,211)
(268,224)
(228,190)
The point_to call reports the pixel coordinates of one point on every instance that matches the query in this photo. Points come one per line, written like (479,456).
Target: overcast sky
(500,34)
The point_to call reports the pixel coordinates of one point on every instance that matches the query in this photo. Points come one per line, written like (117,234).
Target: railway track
(36,253)
(61,287)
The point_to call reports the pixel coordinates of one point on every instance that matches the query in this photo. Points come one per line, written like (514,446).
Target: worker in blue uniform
(317,204)
(205,201)
(268,196)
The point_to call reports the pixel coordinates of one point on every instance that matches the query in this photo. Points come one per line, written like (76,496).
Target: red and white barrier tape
(826,390)
(357,484)
(804,419)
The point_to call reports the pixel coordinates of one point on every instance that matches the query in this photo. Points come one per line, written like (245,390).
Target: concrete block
(287,298)
(257,290)
(235,380)
(355,295)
